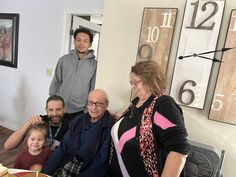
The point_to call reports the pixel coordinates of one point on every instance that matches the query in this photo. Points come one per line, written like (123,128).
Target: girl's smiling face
(36,141)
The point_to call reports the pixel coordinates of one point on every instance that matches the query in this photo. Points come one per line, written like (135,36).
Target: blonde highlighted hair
(151,75)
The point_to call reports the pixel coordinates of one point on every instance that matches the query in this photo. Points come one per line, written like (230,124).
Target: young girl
(36,153)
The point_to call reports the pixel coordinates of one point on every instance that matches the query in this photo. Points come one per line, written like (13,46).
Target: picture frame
(9,30)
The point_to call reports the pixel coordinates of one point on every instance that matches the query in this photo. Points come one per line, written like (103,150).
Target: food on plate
(3,170)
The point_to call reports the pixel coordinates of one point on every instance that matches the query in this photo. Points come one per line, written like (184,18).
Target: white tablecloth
(13,170)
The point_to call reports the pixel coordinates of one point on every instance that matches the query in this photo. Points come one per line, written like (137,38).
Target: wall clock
(156,35)
(199,33)
(223,106)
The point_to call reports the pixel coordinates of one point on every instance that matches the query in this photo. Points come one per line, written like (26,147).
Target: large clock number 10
(199,33)
(154,32)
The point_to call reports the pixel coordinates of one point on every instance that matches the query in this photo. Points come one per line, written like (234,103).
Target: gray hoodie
(73,80)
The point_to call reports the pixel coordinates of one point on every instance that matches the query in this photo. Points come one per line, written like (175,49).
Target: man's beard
(53,122)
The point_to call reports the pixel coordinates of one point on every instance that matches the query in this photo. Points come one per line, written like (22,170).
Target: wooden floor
(7,157)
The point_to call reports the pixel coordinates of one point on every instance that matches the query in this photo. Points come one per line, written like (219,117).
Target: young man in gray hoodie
(75,73)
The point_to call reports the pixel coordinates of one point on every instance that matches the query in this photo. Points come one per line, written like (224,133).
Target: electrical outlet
(49,72)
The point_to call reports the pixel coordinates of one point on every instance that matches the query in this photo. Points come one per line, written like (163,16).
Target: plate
(29,174)
(8,175)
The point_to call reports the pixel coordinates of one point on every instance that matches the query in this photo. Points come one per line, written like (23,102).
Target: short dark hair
(86,31)
(55,98)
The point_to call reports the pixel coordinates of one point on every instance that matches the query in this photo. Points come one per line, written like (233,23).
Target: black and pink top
(143,137)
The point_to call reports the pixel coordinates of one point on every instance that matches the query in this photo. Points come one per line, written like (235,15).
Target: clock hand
(195,55)
(213,59)
(186,56)
(213,51)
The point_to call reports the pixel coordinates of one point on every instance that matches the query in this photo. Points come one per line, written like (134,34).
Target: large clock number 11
(199,33)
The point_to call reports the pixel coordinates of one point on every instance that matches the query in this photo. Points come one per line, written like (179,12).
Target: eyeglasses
(97,104)
(134,83)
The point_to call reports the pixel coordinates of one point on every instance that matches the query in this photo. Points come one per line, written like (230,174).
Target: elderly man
(56,119)
(85,148)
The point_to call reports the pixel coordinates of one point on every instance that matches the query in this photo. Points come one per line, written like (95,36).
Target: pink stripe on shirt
(126,137)
(162,122)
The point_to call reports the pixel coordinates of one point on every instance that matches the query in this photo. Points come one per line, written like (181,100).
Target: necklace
(131,112)
(138,105)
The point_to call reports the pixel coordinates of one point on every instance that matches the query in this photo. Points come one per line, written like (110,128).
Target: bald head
(99,93)
(97,103)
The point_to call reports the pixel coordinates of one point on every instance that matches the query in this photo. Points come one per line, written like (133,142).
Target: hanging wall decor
(156,35)
(223,106)
(9,28)
(199,33)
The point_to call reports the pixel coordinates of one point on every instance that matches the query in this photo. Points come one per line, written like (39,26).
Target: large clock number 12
(199,33)
(203,9)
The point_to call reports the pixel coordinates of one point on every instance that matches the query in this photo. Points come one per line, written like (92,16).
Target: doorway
(74,21)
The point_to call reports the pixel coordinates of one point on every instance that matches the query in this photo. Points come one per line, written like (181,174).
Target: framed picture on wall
(9,29)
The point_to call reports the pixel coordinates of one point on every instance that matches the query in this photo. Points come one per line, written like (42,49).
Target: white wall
(118,48)
(23,91)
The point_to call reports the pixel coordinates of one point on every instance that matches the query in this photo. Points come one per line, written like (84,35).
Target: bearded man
(56,119)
